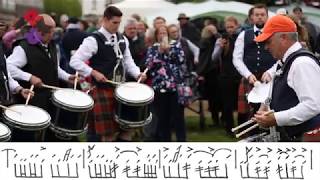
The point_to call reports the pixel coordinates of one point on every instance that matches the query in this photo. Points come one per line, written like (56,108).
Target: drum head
(134,92)
(28,116)
(73,98)
(4,131)
(259,93)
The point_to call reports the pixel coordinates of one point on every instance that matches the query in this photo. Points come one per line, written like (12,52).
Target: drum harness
(119,73)
(273,136)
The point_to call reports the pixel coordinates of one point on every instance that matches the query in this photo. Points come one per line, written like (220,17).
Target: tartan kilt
(101,119)
(244,89)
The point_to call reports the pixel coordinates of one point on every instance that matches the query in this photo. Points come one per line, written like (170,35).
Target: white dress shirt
(89,47)
(18,60)
(13,84)
(238,54)
(303,78)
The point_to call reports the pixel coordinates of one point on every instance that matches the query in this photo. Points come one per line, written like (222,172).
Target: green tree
(70,7)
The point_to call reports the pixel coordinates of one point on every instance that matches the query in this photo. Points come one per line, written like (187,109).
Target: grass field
(208,134)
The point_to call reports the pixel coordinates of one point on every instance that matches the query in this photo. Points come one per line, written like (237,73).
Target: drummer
(102,49)
(34,62)
(7,84)
(295,95)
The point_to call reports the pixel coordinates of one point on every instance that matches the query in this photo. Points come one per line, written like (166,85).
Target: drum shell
(133,113)
(5,137)
(22,132)
(69,120)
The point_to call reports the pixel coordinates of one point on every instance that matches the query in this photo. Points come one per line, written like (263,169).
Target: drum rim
(26,126)
(68,132)
(131,124)
(8,134)
(143,102)
(66,106)
(133,103)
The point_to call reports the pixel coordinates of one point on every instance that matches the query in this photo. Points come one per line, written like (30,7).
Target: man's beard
(260,26)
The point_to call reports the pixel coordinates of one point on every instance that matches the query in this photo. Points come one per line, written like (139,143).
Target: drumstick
(51,87)
(113,82)
(29,95)
(247,130)
(254,126)
(7,108)
(144,72)
(75,80)
(242,125)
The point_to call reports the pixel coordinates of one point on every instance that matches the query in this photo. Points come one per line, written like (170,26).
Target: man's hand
(37,82)
(266,77)
(222,42)
(142,77)
(71,79)
(252,79)
(98,76)
(25,92)
(265,119)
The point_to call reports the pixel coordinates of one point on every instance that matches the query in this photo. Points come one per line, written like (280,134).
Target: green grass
(208,134)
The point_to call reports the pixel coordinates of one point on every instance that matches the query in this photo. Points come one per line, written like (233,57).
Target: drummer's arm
(87,49)
(129,65)
(238,53)
(15,87)
(15,62)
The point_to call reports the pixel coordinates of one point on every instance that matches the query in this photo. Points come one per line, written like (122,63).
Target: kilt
(101,119)
(244,88)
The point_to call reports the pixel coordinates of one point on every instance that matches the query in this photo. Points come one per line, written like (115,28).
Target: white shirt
(303,78)
(238,54)
(18,60)
(89,47)
(13,84)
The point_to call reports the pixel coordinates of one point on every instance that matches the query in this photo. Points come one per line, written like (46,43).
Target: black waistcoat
(105,59)
(44,66)
(284,98)
(255,57)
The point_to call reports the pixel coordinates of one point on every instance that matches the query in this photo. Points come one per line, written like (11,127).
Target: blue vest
(284,98)
(256,58)
(105,59)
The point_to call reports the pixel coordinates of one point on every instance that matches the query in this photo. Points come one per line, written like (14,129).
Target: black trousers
(229,98)
(169,112)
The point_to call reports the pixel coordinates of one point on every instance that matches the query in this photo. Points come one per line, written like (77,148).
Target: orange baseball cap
(277,23)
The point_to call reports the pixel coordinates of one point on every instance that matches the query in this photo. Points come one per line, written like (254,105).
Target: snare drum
(5,133)
(132,107)
(27,125)
(72,107)
(256,138)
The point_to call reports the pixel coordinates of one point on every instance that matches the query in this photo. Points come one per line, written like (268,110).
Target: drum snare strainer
(29,117)
(5,133)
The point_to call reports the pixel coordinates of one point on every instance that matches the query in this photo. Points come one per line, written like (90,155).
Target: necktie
(278,69)
(112,39)
(257,33)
